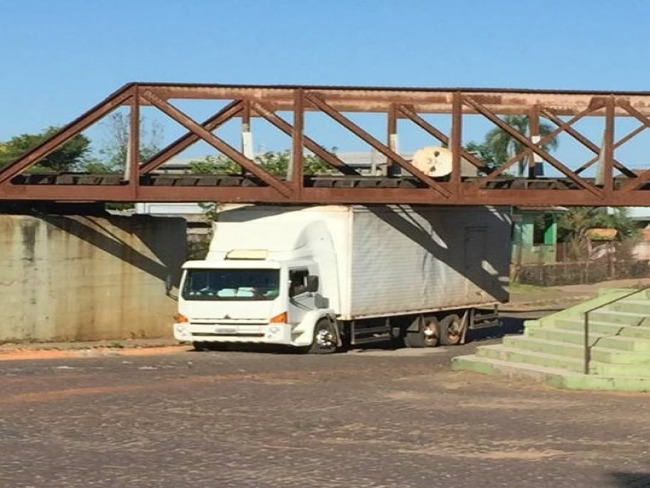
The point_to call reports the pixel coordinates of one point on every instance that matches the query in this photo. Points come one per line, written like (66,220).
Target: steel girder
(140,181)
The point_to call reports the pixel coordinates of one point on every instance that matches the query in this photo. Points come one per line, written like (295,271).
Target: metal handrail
(587,347)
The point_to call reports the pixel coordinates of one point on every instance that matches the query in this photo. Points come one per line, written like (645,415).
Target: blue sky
(62,57)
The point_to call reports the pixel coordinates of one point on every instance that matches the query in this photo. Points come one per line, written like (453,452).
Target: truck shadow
(509,325)
(630,480)
(474,254)
(250,348)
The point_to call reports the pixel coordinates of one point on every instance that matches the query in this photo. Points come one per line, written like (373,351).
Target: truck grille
(228,334)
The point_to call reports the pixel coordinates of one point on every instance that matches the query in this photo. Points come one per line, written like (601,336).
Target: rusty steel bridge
(142,181)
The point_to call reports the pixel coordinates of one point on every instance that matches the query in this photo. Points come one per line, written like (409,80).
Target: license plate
(225,330)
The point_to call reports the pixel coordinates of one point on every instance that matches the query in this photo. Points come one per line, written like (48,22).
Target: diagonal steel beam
(333,160)
(630,135)
(71,130)
(625,105)
(441,136)
(216,142)
(179,145)
(547,138)
(645,175)
(382,148)
(528,144)
(583,140)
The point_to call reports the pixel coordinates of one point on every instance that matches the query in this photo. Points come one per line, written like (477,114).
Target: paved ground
(370,418)
(79,415)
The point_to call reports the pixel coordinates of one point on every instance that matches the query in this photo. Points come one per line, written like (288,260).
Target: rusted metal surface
(616,184)
(182,143)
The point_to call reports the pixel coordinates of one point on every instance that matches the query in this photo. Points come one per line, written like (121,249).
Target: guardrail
(587,347)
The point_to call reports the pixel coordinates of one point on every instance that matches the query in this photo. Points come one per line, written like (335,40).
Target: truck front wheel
(324,338)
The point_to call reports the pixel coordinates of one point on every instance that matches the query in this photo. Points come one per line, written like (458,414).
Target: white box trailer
(320,277)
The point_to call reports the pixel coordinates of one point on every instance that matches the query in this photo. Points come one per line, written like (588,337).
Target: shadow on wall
(98,232)
(486,242)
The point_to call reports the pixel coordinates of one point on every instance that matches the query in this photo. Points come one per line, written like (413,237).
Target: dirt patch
(527,455)
(22,354)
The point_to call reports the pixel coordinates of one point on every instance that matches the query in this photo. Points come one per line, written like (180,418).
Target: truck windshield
(231,284)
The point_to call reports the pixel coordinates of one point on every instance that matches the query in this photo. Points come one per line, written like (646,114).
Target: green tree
(484,152)
(66,158)
(503,146)
(574,225)
(274,162)
(214,165)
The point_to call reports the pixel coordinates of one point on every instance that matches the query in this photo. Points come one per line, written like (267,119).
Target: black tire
(427,336)
(324,338)
(451,330)
(200,346)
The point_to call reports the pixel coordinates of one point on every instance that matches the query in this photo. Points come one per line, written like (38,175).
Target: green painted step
(617,317)
(641,307)
(553,376)
(642,332)
(503,353)
(602,354)
(595,339)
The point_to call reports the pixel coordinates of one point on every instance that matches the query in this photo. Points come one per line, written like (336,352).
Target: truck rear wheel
(451,330)
(324,338)
(427,336)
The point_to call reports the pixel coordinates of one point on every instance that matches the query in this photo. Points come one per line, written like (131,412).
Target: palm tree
(503,146)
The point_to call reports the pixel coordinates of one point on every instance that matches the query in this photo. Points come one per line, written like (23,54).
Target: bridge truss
(617,182)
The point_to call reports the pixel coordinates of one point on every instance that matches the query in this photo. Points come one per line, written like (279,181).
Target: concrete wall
(87,278)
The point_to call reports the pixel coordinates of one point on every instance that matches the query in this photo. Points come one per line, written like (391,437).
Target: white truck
(324,277)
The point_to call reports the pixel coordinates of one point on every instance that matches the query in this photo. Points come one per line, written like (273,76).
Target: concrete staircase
(552,348)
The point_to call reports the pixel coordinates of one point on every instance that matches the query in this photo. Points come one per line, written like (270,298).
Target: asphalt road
(366,418)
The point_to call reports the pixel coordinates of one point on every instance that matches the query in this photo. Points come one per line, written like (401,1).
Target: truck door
(301,300)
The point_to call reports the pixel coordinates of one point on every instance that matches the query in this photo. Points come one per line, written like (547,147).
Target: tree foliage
(574,224)
(499,146)
(276,163)
(66,158)
(214,165)
(484,152)
(504,145)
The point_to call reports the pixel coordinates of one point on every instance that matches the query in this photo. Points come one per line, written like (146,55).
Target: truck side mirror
(169,286)
(312,283)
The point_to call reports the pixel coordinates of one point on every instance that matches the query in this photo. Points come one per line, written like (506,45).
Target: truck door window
(297,281)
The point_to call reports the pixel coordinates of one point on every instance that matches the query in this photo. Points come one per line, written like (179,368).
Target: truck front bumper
(257,334)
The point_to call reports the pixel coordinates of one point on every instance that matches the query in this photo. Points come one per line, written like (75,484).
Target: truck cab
(251,300)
